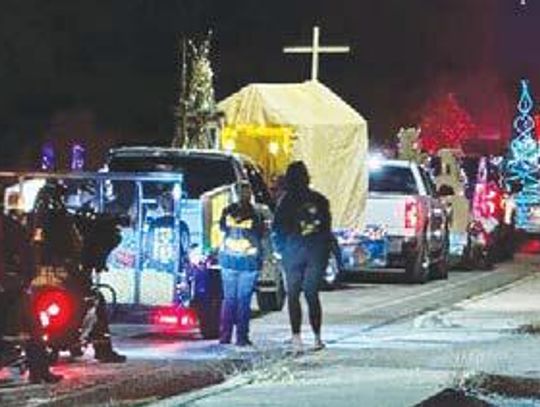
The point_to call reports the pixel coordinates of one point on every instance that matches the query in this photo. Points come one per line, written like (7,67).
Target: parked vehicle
(147,271)
(406,225)
(209,177)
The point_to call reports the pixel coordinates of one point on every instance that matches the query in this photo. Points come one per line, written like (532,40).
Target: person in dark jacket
(16,320)
(302,234)
(240,259)
(60,241)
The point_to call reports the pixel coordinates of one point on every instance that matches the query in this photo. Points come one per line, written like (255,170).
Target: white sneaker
(297,345)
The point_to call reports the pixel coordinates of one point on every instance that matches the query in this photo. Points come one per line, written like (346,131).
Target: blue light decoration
(523,158)
(47,157)
(77,157)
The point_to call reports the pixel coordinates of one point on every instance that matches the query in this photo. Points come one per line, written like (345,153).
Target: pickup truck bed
(406,226)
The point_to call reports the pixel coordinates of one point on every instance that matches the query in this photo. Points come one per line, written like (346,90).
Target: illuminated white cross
(315,50)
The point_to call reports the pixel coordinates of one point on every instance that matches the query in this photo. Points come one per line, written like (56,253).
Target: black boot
(44,377)
(38,364)
(104,352)
(76,351)
(110,357)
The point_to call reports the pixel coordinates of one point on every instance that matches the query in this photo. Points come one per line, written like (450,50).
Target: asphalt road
(354,316)
(356,307)
(376,354)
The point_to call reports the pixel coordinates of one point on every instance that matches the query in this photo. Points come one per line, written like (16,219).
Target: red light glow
(175,319)
(168,320)
(445,124)
(488,201)
(411,214)
(55,309)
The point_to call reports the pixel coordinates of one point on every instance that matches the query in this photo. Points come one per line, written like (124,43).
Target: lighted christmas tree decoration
(445,124)
(197,117)
(521,163)
(409,144)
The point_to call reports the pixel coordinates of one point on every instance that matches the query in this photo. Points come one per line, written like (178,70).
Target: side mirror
(445,190)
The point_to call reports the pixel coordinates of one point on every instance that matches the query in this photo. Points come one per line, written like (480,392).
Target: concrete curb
(147,384)
(506,386)
(186,399)
(164,381)
(137,385)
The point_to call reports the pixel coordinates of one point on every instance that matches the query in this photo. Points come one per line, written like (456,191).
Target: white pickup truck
(406,225)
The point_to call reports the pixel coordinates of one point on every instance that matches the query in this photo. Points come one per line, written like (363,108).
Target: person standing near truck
(240,259)
(302,234)
(16,320)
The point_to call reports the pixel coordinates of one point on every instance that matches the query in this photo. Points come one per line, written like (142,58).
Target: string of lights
(523,158)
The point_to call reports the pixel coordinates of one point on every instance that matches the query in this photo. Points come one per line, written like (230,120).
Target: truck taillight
(172,319)
(412,214)
(493,203)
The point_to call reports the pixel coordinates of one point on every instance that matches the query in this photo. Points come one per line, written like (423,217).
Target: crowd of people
(301,234)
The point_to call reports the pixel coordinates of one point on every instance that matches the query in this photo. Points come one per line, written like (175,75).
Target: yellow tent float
(279,123)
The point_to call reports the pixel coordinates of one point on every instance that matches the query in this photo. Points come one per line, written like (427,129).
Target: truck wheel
(484,259)
(208,306)
(273,300)
(209,319)
(439,270)
(509,241)
(417,267)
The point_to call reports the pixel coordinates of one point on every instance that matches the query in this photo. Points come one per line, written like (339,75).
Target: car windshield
(392,179)
(201,174)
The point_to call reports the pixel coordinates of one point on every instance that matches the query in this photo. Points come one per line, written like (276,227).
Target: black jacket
(17,268)
(302,215)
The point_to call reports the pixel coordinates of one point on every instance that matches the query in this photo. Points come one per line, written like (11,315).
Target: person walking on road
(302,234)
(240,259)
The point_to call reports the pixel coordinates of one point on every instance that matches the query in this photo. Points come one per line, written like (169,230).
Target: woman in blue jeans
(240,259)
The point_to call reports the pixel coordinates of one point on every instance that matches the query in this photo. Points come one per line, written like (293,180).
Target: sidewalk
(406,363)
(144,378)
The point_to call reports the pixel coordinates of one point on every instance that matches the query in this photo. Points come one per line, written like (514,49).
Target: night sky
(111,64)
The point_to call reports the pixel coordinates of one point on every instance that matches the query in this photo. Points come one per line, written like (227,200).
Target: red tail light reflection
(412,214)
(54,309)
(175,319)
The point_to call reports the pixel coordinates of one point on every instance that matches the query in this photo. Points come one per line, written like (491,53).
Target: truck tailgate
(388,210)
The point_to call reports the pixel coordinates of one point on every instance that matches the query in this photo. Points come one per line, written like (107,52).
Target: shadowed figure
(302,234)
